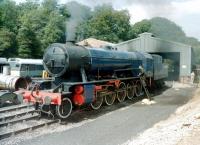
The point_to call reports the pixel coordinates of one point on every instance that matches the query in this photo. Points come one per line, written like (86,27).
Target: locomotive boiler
(90,76)
(62,59)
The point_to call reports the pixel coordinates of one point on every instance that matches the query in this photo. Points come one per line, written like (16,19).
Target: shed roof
(92,42)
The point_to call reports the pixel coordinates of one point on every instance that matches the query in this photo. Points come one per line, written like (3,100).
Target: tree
(28,43)
(49,6)
(166,29)
(106,24)
(8,15)
(54,23)
(54,31)
(63,10)
(28,28)
(7,43)
(8,28)
(140,27)
(39,27)
(26,7)
(28,35)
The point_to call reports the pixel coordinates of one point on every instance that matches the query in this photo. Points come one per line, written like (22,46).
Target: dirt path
(181,128)
(193,137)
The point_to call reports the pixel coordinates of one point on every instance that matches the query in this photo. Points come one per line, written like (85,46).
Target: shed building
(178,54)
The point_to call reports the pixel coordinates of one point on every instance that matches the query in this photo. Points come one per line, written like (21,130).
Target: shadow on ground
(88,113)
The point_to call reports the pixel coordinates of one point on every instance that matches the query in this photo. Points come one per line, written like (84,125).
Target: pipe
(12,82)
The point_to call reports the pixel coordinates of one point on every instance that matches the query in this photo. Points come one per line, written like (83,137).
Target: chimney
(71,30)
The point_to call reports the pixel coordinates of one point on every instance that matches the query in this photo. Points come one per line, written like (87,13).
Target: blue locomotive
(91,76)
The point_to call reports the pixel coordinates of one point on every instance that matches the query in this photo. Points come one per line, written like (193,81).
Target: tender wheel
(138,89)
(110,98)
(130,90)
(65,109)
(96,104)
(121,92)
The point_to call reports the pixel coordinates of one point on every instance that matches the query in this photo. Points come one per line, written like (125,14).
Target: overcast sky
(185,13)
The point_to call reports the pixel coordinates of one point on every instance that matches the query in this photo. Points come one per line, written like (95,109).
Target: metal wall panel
(147,43)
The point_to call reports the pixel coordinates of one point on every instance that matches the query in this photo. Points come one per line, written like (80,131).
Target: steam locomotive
(90,76)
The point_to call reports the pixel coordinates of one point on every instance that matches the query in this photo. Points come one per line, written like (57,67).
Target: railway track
(21,118)
(14,108)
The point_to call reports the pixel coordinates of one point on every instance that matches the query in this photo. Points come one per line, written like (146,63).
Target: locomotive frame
(62,98)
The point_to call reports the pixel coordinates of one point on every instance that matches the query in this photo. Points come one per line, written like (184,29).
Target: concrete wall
(147,43)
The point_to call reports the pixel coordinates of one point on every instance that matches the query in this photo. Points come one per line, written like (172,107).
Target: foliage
(8,28)
(28,28)
(64,11)
(54,31)
(141,27)
(166,29)
(106,24)
(8,17)
(28,43)
(27,6)
(6,42)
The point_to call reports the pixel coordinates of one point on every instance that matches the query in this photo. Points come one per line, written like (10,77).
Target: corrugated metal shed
(178,52)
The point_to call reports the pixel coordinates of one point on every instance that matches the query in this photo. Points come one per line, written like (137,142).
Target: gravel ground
(14,112)
(181,128)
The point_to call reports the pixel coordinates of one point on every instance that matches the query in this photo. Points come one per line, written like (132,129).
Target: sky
(185,13)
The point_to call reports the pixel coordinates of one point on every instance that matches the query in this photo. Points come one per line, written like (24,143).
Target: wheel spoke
(138,89)
(121,92)
(110,98)
(96,104)
(130,90)
(64,110)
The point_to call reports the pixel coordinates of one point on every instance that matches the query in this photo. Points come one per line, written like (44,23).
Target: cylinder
(12,82)
(6,70)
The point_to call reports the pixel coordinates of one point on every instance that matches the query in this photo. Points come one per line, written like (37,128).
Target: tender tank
(61,58)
